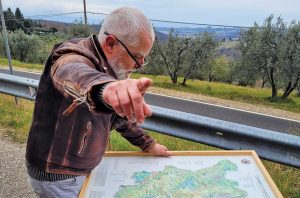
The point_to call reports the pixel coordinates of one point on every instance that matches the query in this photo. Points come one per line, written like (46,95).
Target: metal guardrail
(274,146)
(270,145)
(18,86)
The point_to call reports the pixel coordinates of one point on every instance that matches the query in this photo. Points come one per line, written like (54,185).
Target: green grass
(21,65)
(16,119)
(118,143)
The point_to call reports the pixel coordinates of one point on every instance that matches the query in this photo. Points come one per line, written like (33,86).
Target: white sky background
(224,12)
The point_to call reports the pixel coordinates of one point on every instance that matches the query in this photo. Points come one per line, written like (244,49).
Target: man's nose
(142,61)
(139,63)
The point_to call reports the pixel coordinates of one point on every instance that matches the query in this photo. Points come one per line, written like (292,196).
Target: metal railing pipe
(18,86)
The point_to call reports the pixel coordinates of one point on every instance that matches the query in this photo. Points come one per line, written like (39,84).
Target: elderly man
(84,93)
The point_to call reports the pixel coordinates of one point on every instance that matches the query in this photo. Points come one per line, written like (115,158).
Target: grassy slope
(20,65)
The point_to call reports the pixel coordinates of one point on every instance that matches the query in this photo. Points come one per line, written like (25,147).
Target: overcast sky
(225,12)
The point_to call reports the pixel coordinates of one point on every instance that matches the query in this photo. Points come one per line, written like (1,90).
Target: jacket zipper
(79,99)
(70,90)
(84,137)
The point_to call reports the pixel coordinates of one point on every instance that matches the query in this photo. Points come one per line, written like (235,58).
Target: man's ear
(110,44)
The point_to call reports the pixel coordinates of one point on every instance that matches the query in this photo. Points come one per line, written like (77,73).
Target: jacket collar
(100,54)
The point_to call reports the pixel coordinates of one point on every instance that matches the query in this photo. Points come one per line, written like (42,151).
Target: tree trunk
(264,81)
(185,78)
(273,85)
(287,88)
(210,77)
(174,78)
(290,88)
(184,81)
(274,92)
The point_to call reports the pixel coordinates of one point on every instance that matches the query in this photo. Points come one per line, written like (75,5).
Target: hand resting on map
(159,150)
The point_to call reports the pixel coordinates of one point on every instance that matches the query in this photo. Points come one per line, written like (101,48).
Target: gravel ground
(13,174)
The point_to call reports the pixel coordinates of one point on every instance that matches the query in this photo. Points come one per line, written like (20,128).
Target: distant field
(228,44)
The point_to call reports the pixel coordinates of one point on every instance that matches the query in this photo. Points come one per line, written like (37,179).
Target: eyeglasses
(130,54)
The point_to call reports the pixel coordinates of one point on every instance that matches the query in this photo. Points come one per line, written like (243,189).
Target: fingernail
(141,121)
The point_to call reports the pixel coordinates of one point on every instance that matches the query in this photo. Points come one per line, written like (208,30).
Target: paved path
(13,176)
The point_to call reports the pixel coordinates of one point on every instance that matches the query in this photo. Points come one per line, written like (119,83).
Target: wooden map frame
(251,153)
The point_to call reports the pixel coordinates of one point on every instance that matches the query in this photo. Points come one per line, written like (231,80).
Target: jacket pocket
(83,140)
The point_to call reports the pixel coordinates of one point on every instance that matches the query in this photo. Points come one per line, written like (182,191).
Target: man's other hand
(159,150)
(126,97)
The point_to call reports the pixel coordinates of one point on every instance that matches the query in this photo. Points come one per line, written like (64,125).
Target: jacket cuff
(97,99)
(151,145)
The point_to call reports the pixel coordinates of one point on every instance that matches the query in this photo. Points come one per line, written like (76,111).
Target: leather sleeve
(74,76)
(133,133)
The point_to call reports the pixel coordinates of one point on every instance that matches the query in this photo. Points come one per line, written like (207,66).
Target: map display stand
(220,174)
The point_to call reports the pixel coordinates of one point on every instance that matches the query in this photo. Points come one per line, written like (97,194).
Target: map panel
(178,176)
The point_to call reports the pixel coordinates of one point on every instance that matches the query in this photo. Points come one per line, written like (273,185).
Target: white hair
(126,24)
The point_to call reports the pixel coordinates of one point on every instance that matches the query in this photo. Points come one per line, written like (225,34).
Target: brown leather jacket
(74,142)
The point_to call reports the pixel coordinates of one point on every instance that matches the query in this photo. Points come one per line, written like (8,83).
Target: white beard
(118,69)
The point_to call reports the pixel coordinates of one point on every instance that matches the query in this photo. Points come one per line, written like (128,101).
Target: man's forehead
(142,50)
(143,46)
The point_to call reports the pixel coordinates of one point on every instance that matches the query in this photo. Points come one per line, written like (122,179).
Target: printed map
(177,177)
(175,182)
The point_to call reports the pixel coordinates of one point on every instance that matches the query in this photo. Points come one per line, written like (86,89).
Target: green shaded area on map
(173,182)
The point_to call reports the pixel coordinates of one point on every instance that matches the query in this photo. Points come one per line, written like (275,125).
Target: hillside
(62,26)
(221,34)
(225,33)
(227,36)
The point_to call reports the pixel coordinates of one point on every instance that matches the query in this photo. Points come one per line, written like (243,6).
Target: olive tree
(172,54)
(199,56)
(79,30)
(290,59)
(23,46)
(248,68)
(261,48)
(155,62)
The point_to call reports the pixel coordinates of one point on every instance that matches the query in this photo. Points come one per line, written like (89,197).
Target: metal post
(6,42)
(85,17)
(5,39)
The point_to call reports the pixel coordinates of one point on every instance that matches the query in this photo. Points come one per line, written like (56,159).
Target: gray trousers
(69,188)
